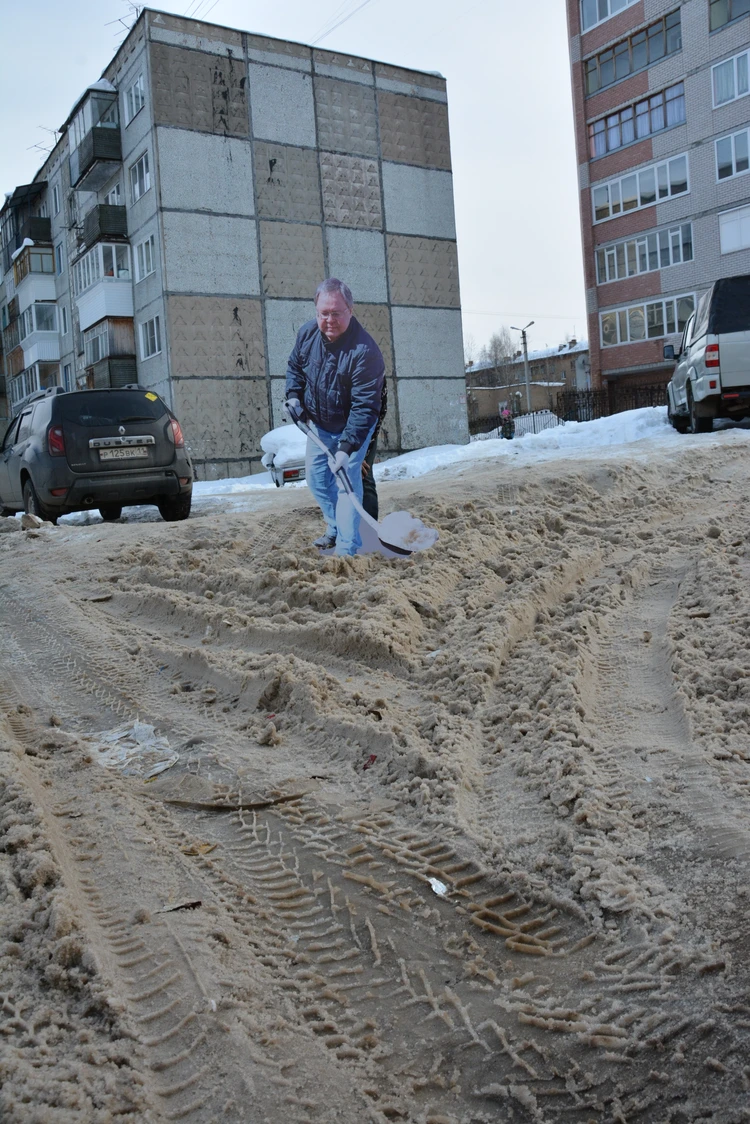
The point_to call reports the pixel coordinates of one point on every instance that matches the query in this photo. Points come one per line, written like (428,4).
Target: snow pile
(619,429)
(283,446)
(26,242)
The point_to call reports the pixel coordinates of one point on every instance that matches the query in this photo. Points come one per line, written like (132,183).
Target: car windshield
(730,307)
(109,407)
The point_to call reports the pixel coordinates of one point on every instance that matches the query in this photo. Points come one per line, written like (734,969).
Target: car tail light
(179,440)
(291,473)
(712,355)
(58,491)
(712,384)
(56,441)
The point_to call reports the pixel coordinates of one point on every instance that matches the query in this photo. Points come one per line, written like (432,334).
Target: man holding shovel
(334,382)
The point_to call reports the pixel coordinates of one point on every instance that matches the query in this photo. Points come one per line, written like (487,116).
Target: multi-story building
(662,108)
(198,193)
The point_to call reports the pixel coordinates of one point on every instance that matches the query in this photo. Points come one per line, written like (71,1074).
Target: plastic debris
(370,761)
(438,887)
(135,751)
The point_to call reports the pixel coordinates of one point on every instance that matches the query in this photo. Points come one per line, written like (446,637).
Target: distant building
(198,193)
(491,388)
(660,91)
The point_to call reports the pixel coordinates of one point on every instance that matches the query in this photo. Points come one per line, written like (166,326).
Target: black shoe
(325,542)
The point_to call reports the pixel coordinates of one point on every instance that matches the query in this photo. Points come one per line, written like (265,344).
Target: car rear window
(110,407)
(730,307)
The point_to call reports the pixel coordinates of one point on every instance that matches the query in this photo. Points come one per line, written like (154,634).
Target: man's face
(332,315)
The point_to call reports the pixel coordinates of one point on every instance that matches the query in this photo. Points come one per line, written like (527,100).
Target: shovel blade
(402,531)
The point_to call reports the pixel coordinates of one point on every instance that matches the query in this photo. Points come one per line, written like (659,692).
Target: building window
(59,259)
(134,99)
(64,320)
(150,338)
(634,53)
(640,189)
(37,318)
(638,322)
(597,11)
(653,115)
(734,230)
(105,260)
(68,377)
(730,79)
(114,196)
(732,155)
(55,199)
(96,343)
(722,11)
(140,178)
(144,258)
(644,253)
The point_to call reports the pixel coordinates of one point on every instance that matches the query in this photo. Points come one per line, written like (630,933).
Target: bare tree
(470,351)
(498,352)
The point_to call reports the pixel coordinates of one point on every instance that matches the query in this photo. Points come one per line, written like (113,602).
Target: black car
(83,449)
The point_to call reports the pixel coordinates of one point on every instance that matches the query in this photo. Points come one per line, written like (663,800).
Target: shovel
(400,532)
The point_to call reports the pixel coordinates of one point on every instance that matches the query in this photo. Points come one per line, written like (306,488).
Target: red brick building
(662,108)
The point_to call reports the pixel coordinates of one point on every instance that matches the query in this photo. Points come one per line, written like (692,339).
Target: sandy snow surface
(457,839)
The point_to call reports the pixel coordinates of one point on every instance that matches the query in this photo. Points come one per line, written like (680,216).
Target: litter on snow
(438,887)
(135,751)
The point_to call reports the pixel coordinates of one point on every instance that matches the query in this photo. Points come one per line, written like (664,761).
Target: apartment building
(199,191)
(662,109)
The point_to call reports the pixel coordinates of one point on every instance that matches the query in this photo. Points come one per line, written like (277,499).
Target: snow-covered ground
(573,439)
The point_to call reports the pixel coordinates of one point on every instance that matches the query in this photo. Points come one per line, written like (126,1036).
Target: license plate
(127,453)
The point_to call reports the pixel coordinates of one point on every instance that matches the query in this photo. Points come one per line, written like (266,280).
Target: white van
(712,375)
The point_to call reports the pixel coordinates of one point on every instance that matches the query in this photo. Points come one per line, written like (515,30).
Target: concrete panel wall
(432,412)
(287,182)
(292,259)
(216,336)
(418,201)
(414,130)
(428,343)
(358,256)
(283,320)
(347,119)
(351,190)
(282,105)
(210,254)
(224,420)
(199,90)
(423,272)
(203,172)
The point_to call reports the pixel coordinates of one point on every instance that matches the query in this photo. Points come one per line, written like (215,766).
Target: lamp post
(525,362)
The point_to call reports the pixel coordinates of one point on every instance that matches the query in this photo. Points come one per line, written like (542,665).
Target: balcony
(37,229)
(94,139)
(102,285)
(34,275)
(111,372)
(104,221)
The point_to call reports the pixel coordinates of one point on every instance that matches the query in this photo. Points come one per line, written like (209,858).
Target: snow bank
(283,446)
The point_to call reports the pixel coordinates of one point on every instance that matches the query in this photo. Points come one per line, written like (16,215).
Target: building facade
(662,109)
(492,387)
(199,192)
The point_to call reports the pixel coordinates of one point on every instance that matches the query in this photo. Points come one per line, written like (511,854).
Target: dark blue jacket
(339,384)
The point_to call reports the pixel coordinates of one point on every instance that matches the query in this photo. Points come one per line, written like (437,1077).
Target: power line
(341,21)
(541,315)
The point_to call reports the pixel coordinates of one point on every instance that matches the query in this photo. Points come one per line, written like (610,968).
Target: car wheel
(110,512)
(32,505)
(678,421)
(697,423)
(172,508)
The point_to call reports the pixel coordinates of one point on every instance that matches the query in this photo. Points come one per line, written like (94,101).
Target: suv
(95,449)
(712,376)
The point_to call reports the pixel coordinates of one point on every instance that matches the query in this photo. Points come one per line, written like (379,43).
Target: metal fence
(571,405)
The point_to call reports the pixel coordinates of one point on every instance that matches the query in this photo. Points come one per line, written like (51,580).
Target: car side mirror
(669,351)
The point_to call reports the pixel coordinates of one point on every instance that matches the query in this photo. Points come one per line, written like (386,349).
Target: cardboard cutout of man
(335,377)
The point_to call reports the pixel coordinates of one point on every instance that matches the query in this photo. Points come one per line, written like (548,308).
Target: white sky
(511,120)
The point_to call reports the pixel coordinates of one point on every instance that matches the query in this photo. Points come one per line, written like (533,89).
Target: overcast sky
(511,121)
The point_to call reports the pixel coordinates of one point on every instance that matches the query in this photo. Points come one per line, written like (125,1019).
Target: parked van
(712,375)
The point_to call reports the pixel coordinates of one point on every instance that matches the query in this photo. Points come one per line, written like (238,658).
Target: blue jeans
(338,511)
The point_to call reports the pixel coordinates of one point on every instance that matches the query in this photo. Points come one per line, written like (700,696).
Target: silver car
(712,375)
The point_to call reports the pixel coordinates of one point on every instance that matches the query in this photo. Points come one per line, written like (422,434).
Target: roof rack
(45,393)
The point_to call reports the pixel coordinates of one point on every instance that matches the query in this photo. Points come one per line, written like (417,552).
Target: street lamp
(525,362)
